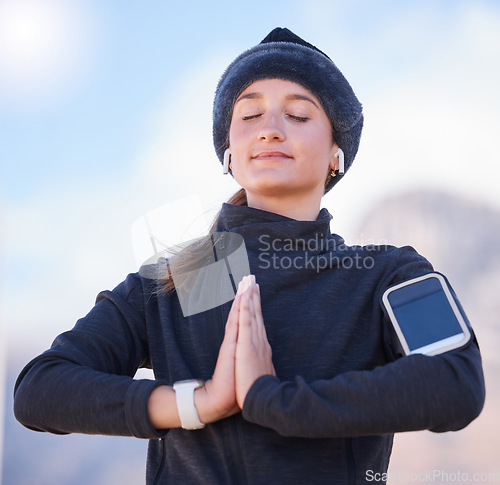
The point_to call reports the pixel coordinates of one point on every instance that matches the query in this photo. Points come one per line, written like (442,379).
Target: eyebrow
(300,97)
(288,97)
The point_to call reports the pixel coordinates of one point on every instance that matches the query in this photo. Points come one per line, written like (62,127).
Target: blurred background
(105,115)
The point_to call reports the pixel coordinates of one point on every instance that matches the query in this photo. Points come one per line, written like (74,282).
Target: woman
(295,380)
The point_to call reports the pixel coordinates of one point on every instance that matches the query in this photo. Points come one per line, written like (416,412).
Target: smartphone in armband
(425,316)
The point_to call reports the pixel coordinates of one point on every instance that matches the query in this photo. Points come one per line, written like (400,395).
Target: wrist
(185,400)
(162,408)
(202,405)
(208,406)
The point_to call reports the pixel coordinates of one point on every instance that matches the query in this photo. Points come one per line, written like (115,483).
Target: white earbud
(227,157)
(340,156)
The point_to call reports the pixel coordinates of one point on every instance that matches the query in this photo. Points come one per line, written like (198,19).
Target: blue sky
(105,114)
(92,120)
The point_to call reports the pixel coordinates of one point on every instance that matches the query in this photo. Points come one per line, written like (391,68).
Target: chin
(268,184)
(276,188)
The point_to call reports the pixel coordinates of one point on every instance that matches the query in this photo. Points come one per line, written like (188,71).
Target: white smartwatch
(184,396)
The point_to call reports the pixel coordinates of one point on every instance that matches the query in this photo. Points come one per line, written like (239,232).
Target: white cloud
(436,128)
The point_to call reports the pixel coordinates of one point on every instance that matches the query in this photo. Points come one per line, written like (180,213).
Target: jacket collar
(249,221)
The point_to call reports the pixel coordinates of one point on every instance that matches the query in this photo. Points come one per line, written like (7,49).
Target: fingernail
(244,284)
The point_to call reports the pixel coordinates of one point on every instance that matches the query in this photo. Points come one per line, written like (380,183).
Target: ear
(334,161)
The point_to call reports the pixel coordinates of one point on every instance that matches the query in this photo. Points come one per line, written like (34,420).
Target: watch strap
(184,395)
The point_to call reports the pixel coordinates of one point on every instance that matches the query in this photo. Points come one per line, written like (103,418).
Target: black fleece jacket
(340,392)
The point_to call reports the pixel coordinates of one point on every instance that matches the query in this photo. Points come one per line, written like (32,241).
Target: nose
(271,128)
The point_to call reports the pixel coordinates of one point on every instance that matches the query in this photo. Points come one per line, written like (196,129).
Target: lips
(270,155)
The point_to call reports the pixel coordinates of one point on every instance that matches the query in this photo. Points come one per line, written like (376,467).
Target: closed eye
(251,117)
(298,118)
(302,119)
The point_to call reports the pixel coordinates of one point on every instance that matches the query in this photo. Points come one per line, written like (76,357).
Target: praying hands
(244,356)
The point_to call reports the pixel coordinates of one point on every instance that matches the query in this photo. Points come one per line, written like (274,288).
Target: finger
(244,317)
(257,310)
(258,307)
(231,329)
(245,321)
(243,284)
(232,317)
(238,291)
(236,302)
(254,324)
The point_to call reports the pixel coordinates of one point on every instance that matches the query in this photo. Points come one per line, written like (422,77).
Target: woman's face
(280,140)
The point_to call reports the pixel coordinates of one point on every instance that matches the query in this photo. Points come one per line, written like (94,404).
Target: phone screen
(425,316)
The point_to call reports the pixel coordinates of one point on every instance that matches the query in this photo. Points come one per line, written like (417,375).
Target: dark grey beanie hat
(284,55)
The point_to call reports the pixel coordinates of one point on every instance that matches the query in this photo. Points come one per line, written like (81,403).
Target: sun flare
(42,46)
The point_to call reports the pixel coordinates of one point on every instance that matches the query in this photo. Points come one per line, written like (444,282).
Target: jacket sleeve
(441,393)
(84,382)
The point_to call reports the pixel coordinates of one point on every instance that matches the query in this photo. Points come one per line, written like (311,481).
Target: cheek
(319,147)
(237,134)
(239,147)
